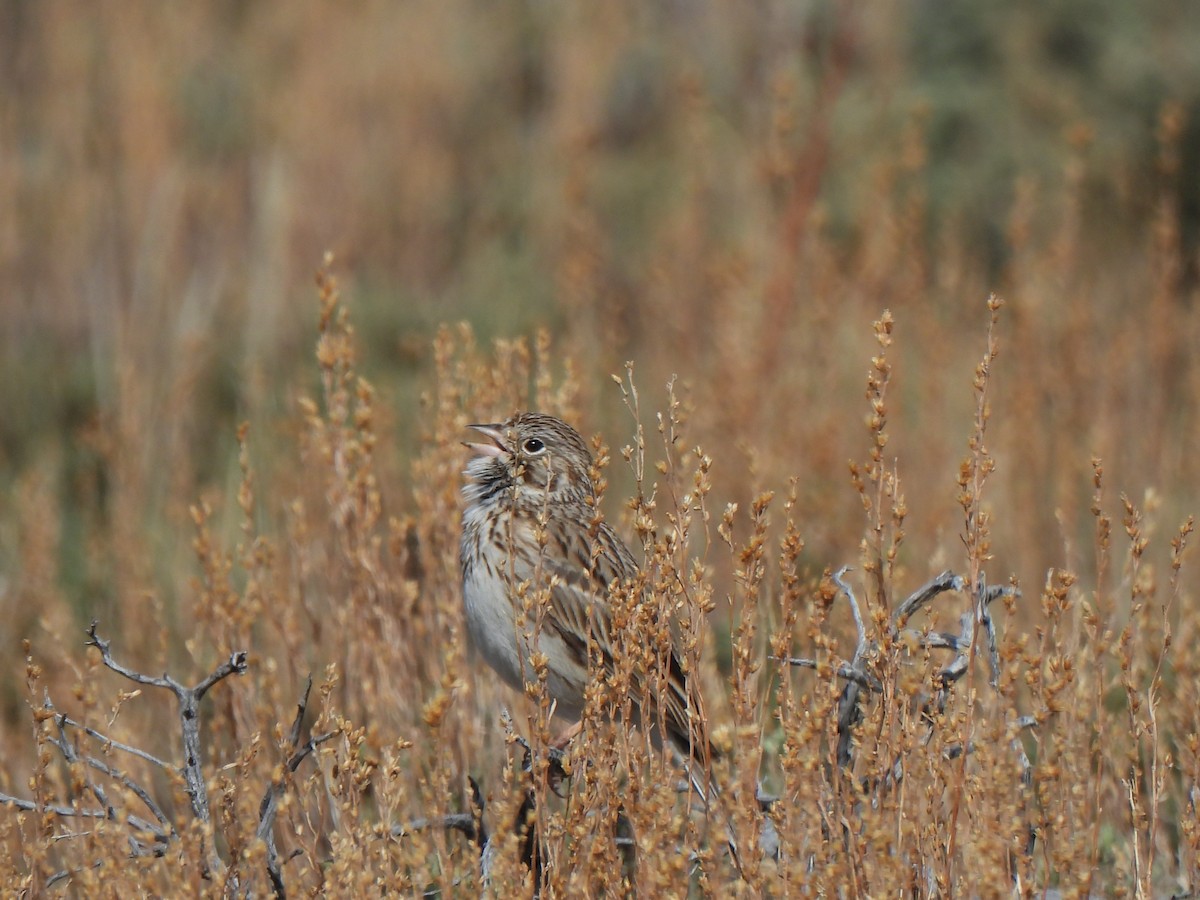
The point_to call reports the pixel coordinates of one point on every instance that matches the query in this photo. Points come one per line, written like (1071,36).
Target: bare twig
(189,716)
(470,824)
(462,822)
(987,595)
(64,874)
(189,700)
(269,806)
(854,671)
(946,581)
(161,832)
(65,812)
(841,670)
(839,579)
(859,679)
(70,754)
(117,745)
(934,640)
(849,712)
(152,838)
(69,812)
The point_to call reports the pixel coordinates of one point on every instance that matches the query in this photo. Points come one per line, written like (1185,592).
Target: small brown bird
(533,473)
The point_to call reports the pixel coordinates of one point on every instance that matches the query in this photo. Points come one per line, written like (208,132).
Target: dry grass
(585,189)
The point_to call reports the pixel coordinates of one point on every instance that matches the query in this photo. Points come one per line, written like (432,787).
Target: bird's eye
(534,445)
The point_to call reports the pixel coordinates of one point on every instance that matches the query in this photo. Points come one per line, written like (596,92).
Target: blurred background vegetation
(729,193)
(725,191)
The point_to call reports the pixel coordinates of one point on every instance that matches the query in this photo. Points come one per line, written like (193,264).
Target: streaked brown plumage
(534,469)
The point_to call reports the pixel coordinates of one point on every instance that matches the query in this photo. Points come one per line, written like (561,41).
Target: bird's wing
(583,578)
(579,607)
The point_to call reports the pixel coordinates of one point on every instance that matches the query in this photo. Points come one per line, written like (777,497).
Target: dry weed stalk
(867,746)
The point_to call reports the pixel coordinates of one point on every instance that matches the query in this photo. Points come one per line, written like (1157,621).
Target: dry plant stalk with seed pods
(826,728)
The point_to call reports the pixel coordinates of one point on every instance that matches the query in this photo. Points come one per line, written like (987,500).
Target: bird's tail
(704,784)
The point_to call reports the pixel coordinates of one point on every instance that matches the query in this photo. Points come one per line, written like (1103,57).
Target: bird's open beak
(495,433)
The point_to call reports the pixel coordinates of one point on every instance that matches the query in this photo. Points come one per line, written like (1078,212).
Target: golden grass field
(901,291)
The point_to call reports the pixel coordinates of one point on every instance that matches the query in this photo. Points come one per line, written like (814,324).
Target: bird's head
(539,455)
